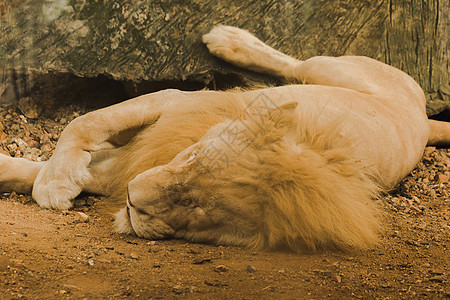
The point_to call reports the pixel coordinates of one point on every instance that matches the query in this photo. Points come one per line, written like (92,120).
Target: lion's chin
(122,222)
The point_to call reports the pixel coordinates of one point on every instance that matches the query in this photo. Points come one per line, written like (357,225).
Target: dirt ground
(46,254)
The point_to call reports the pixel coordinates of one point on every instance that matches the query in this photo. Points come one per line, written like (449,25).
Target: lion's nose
(146,187)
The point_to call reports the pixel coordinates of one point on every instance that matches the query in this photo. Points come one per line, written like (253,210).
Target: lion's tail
(439,133)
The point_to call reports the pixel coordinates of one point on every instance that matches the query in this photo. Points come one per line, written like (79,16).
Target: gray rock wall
(160,40)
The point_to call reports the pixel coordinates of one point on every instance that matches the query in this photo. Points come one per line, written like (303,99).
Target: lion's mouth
(122,222)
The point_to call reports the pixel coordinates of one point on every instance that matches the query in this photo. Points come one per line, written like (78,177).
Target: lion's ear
(189,161)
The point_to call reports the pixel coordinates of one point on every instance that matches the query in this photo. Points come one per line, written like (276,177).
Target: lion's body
(381,146)
(291,166)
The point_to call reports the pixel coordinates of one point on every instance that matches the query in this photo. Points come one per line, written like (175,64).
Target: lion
(295,166)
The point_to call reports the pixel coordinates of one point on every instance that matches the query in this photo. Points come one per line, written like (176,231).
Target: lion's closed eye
(191,158)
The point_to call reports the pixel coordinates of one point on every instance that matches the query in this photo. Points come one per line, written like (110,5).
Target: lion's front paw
(232,44)
(60,181)
(56,195)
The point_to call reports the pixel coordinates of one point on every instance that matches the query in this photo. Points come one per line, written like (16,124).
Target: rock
(8,92)
(216,283)
(251,269)
(29,107)
(435,107)
(154,249)
(3,135)
(123,40)
(79,202)
(327,274)
(71,287)
(46,148)
(134,256)
(336,264)
(323,273)
(221,269)
(436,272)
(442,178)
(81,217)
(269,288)
(439,278)
(429,150)
(30,142)
(126,40)
(200,261)
(90,201)
(192,251)
(12,148)
(5,263)
(178,290)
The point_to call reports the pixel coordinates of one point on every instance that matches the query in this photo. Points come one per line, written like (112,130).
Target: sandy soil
(47,254)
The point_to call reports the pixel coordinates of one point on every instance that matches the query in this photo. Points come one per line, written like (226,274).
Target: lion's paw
(55,196)
(5,163)
(232,44)
(59,182)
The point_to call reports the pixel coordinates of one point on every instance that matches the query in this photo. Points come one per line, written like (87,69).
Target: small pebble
(178,290)
(221,269)
(440,278)
(82,217)
(251,269)
(200,261)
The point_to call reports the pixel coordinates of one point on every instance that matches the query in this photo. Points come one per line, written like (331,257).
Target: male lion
(293,166)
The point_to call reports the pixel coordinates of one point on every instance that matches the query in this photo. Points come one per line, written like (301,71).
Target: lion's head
(249,182)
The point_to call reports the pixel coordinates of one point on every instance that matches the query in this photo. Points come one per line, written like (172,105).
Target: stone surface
(436,107)
(14,84)
(161,40)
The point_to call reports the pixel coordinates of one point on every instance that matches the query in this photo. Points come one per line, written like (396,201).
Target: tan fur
(279,196)
(282,167)
(178,129)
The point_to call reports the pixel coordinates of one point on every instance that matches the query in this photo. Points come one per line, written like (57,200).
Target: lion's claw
(61,180)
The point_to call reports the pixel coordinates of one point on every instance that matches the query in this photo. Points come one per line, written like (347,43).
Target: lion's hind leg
(241,48)
(18,174)
(362,74)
